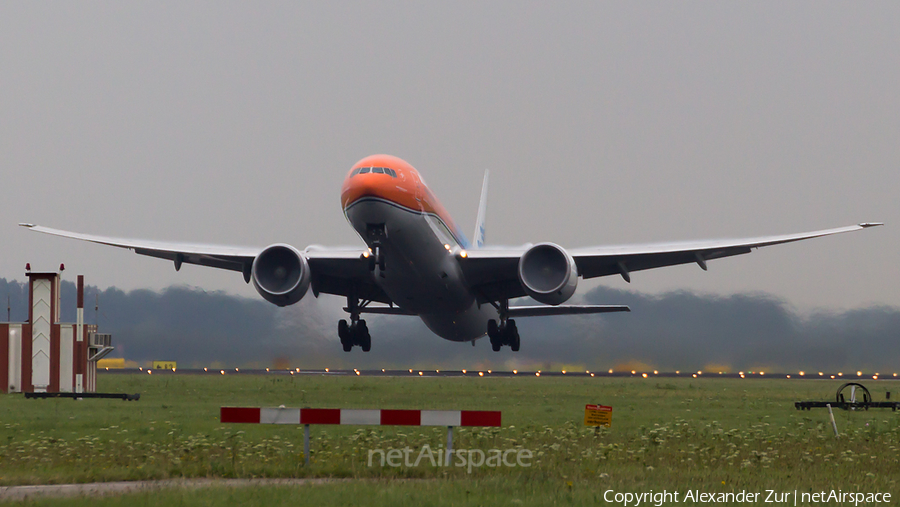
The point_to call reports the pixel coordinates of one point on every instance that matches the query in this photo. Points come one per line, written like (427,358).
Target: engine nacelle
(548,273)
(280,274)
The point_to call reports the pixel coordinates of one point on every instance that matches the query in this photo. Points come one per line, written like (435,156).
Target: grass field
(715,435)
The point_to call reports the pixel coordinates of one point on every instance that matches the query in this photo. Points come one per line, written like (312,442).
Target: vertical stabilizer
(478,237)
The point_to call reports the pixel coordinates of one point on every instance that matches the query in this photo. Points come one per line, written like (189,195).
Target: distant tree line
(676,330)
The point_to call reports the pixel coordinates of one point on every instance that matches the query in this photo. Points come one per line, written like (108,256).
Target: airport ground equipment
(841,401)
(307,416)
(45,355)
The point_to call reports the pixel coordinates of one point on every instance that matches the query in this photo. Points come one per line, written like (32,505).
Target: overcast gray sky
(601,123)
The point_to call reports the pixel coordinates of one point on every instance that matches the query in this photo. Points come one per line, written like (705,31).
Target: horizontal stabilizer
(382,310)
(539,311)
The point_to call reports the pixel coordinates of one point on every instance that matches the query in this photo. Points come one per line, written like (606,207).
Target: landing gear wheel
(344,333)
(493,332)
(514,342)
(363,339)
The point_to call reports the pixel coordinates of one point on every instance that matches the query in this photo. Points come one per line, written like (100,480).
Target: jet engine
(280,274)
(548,273)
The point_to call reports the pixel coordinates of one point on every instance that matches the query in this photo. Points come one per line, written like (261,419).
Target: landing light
(481,374)
(644,375)
(463,254)
(464,372)
(516,372)
(537,374)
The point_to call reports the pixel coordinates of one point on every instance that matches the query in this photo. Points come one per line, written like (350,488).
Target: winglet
(870,224)
(478,237)
(26,225)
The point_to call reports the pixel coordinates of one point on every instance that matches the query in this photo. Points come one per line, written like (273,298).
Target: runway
(431,373)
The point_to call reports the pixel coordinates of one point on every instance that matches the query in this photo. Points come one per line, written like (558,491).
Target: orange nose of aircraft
(381,177)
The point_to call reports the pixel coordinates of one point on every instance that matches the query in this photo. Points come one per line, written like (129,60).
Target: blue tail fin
(478,237)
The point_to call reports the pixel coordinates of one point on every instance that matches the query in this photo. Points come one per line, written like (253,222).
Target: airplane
(417,262)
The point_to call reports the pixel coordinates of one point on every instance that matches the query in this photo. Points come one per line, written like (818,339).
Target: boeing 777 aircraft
(417,262)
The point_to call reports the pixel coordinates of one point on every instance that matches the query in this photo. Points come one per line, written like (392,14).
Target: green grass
(711,434)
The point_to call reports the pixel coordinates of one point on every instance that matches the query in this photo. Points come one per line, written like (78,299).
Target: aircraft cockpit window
(375,170)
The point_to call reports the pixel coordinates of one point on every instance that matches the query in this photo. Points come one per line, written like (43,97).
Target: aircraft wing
(333,270)
(493,273)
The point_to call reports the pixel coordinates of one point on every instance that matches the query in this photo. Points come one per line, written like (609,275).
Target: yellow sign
(163,365)
(598,415)
(111,362)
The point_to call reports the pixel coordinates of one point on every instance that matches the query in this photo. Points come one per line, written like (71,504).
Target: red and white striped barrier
(256,415)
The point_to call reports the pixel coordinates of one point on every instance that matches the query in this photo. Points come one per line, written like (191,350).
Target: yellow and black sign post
(598,415)
(164,365)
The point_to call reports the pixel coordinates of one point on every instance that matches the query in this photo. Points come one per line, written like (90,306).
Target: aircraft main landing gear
(505,332)
(355,333)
